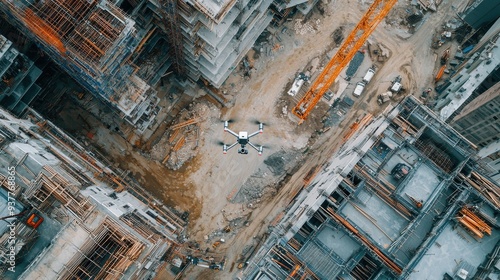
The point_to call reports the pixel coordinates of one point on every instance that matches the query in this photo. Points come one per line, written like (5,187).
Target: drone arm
(229,147)
(259,149)
(231,132)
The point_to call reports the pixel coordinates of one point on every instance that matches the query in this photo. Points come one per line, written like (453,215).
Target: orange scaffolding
(41,29)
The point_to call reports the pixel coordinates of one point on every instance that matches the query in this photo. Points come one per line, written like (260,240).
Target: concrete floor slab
(377,219)
(421,185)
(452,247)
(338,241)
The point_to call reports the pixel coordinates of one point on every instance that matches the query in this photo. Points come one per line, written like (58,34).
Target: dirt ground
(247,192)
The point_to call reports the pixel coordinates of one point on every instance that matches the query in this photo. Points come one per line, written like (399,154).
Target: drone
(243,138)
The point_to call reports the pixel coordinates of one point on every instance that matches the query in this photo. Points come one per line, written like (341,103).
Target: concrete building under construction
(119,50)
(403,198)
(72,217)
(209,38)
(469,100)
(95,43)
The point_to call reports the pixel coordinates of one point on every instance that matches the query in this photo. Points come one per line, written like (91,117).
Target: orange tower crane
(375,14)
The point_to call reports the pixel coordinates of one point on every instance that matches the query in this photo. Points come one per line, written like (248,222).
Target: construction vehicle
(373,16)
(396,86)
(298,82)
(445,56)
(358,90)
(384,97)
(369,75)
(426,93)
(207,263)
(218,242)
(400,171)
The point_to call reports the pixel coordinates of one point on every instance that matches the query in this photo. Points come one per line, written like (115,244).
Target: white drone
(243,138)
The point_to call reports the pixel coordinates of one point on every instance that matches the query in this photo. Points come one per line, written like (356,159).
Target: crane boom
(375,14)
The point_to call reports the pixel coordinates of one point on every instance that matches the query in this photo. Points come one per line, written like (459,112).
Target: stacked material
(473,222)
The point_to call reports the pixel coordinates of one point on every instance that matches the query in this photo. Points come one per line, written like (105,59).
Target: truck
(298,82)
(396,85)
(358,90)
(369,75)
(207,263)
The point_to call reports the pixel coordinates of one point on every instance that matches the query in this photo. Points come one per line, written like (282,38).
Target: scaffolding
(93,41)
(106,254)
(170,20)
(51,186)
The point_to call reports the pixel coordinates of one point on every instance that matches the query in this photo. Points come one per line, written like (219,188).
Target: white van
(369,75)
(360,86)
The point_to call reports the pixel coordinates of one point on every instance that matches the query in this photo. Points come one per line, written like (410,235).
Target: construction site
(401,194)
(367,139)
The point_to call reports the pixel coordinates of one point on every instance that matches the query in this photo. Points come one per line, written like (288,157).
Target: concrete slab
(377,219)
(421,185)
(338,241)
(445,255)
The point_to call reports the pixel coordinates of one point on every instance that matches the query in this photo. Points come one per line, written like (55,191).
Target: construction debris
(180,141)
(304,28)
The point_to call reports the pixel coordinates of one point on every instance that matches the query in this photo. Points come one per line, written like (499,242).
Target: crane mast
(375,14)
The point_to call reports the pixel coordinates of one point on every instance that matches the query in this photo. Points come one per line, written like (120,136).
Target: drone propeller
(232,120)
(257,122)
(220,143)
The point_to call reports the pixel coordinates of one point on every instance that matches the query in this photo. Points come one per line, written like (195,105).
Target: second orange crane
(375,14)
